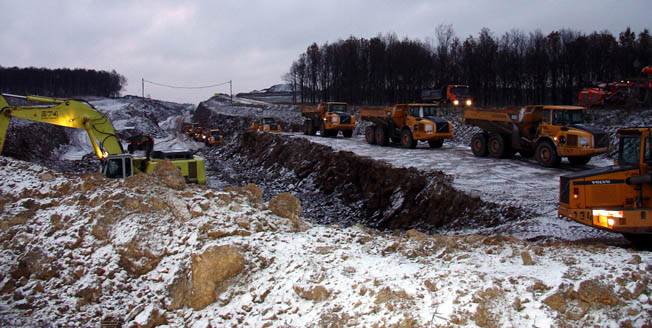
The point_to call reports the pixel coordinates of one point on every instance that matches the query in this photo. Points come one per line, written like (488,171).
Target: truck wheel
(347,133)
(436,143)
(306,127)
(479,145)
(547,155)
(322,130)
(370,134)
(406,139)
(381,136)
(395,139)
(579,160)
(497,146)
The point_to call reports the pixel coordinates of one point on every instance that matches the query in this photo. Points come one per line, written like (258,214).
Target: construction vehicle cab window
(337,108)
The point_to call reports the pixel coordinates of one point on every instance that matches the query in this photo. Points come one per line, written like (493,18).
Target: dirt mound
(389,198)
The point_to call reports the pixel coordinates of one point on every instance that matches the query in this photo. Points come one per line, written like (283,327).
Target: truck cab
(616,198)
(458,95)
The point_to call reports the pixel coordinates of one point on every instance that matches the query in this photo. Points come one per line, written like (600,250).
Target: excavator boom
(67,113)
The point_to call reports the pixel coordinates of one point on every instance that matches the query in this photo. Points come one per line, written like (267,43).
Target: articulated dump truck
(547,132)
(615,198)
(406,124)
(328,118)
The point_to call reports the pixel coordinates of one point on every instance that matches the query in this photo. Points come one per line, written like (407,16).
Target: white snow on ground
(296,274)
(517,181)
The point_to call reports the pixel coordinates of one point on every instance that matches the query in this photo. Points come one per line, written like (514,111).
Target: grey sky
(253,43)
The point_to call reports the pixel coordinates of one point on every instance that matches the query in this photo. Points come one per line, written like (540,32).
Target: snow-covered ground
(84,251)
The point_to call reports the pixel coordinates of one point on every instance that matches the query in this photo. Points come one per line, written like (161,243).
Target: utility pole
(142,87)
(231,90)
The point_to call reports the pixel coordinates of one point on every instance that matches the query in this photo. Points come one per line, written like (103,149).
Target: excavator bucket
(4,121)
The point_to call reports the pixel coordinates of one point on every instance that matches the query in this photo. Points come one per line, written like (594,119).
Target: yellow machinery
(407,124)
(328,118)
(548,132)
(212,137)
(106,143)
(616,198)
(266,124)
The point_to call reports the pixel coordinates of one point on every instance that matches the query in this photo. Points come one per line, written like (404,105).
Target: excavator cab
(117,166)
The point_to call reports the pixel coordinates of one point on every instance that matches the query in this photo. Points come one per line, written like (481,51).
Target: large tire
(436,143)
(547,155)
(497,146)
(406,139)
(479,145)
(347,133)
(395,139)
(322,130)
(381,136)
(306,130)
(332,133)
(579,160)
(370,134)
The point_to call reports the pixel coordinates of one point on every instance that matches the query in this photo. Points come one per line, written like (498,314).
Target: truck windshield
(570,117)
(337,108)
(460,91)
(268,120)
(429,111)
(630,150)
(215,134)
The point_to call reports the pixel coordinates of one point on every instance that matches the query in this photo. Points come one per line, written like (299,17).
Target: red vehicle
(623,93)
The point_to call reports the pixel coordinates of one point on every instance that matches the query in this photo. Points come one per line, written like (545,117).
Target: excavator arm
(67,113)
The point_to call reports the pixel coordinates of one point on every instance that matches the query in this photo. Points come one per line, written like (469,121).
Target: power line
(186,87)
(229,82)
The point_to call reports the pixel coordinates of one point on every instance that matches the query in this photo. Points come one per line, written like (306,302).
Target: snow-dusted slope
(86,251)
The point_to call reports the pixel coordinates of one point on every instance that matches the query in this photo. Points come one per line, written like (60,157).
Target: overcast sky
(253,43)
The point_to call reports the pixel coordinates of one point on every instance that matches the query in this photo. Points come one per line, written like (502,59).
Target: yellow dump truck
(406,124)
(547,132)
(266,124)
(616,198)
(328,118)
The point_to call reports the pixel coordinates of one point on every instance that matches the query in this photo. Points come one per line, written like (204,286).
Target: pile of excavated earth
(150,251)
(287,233)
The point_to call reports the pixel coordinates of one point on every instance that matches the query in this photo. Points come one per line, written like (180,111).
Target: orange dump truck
(328,118)
(547,132)
(407,124)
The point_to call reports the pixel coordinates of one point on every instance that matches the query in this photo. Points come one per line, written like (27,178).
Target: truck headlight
(456,102)
(606,219)
(334,119)
(584,142)
(469,102)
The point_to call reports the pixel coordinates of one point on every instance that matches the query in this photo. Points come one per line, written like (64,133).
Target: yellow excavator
(79,114)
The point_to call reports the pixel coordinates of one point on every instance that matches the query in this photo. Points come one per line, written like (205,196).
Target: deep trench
(340,187)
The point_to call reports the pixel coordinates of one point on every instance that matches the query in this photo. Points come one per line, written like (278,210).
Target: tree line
(60,82)
(514,68)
